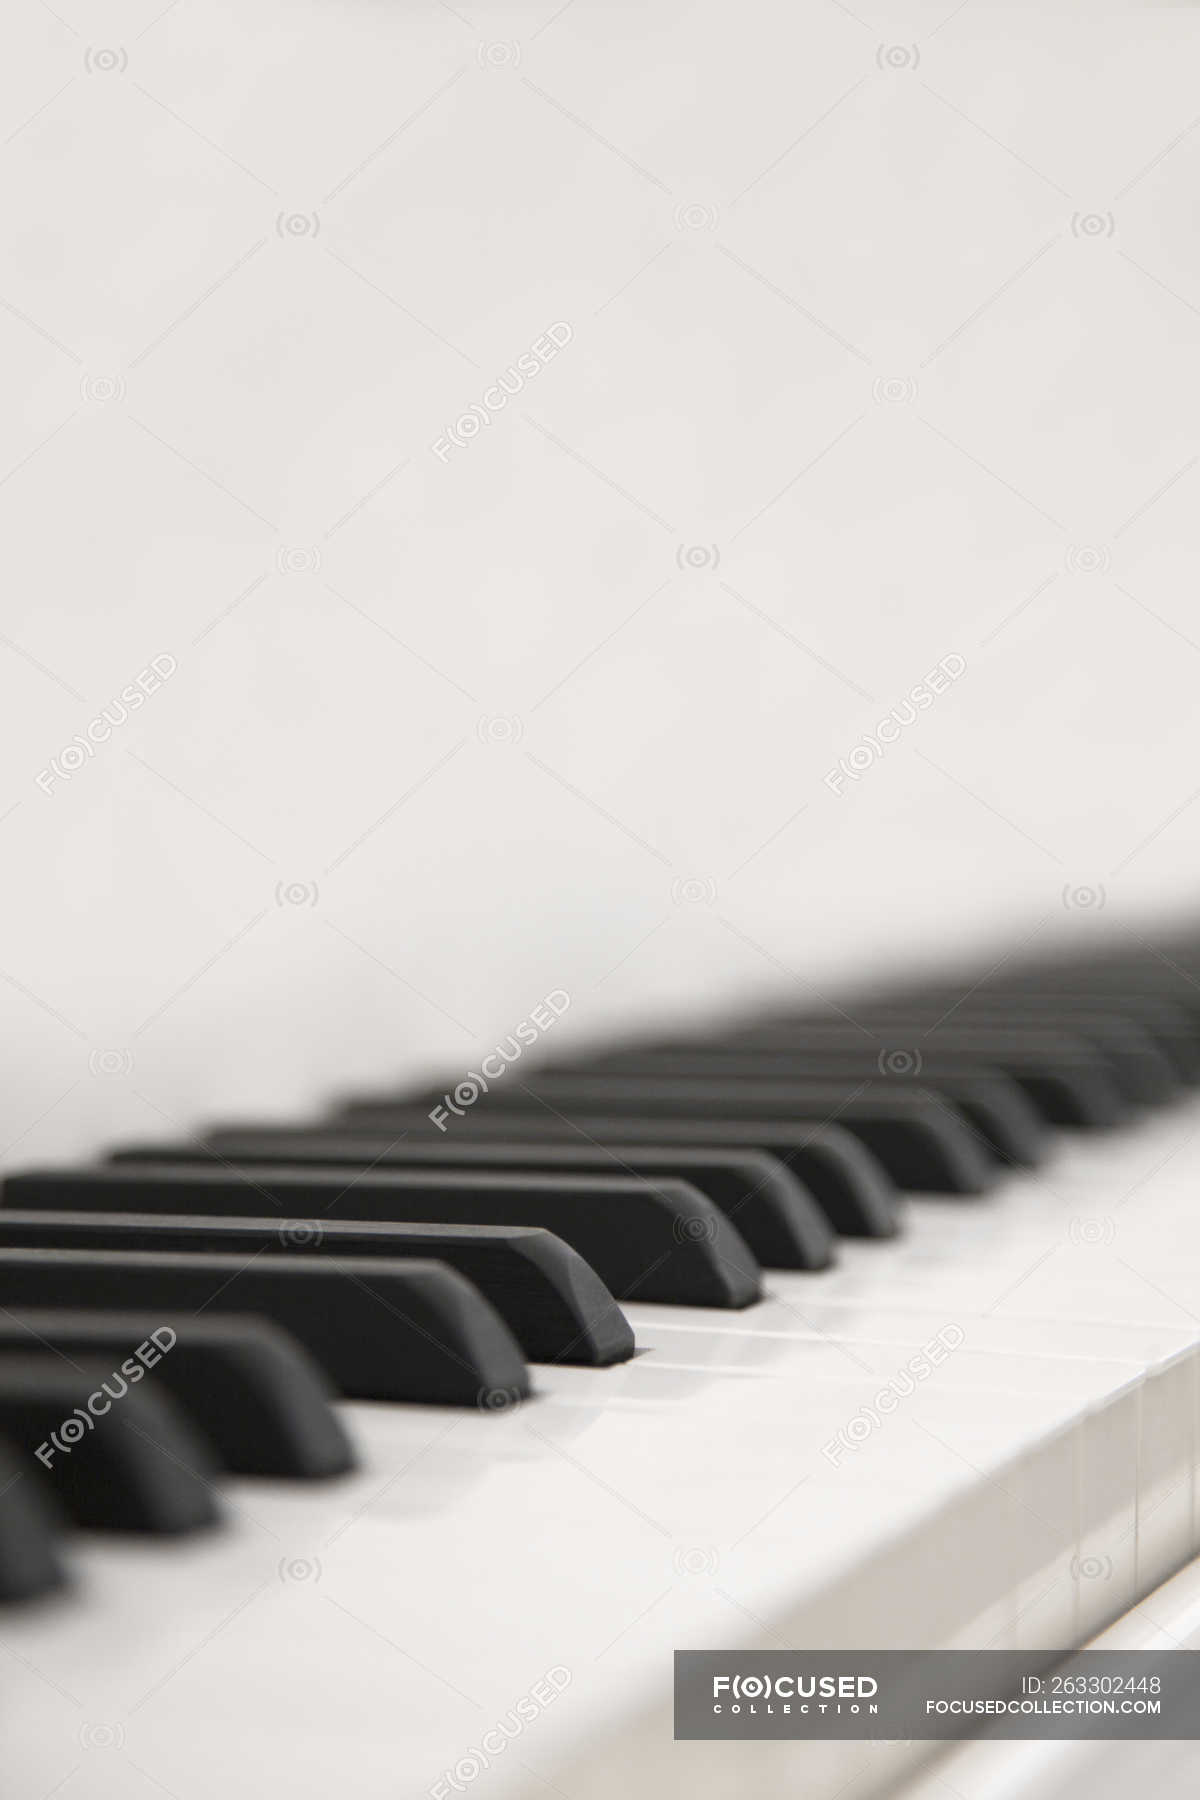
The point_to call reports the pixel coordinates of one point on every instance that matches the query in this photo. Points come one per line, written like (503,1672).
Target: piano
(373,1447)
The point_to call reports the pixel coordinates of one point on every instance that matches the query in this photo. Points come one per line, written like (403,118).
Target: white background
(888,312)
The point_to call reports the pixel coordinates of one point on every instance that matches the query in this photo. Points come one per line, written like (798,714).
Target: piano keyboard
(391,1455)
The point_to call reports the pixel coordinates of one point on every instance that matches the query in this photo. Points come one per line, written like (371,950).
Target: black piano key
(383,1330)
(1141,1069)
(1068,1081)
(118,1458)
(1174,982)
(554,1304)
(253,1390)
(1003,1119)
(645,1240)
(30,1532)
(1173,1029)
(769,1204)
(851,1187)
(920,1139)
(1171,1023)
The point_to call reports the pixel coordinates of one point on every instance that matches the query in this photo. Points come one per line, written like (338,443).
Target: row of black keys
(376,1256)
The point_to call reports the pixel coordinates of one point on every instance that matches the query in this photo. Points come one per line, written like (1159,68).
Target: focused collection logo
(799,1692)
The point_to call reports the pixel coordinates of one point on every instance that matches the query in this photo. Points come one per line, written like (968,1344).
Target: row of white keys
(1082,1768)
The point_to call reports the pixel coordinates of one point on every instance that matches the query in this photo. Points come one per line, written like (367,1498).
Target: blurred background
(480,485)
